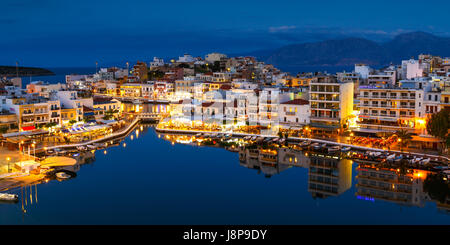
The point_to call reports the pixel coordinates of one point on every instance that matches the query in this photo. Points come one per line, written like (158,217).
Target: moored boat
(334,148)
(9,197)
(346,149)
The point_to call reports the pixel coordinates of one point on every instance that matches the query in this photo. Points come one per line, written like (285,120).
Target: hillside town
(237,94)
(388,108)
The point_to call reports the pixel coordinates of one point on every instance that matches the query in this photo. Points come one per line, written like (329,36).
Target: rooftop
(296,102)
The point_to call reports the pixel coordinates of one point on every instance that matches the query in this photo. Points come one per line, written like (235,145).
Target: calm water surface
(151,181)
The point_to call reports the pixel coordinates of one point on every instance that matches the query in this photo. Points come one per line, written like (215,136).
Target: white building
(363,70)
(412,69)
(186,58)
(214,57)
(156,62)
(294,113)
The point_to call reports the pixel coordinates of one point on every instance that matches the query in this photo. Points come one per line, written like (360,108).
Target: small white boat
(315,146)
(346,148)
(62,175)
(100,145)
(254,138)
(305,143)
(247,137)
(425,161)
(59,151)
(276,139)
(81,148)
(390,157)
(198,135)
(334,148)
(9,197)
(92,147)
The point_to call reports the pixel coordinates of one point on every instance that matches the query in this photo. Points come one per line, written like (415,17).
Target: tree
(436,187)
(438,126)
(3,129)
(404,137)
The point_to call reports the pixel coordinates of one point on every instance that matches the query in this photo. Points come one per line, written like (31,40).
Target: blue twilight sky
(64,33)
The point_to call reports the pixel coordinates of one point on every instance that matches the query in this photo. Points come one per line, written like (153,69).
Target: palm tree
(403,137)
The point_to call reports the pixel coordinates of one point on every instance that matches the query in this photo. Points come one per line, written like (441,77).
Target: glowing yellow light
(104,152)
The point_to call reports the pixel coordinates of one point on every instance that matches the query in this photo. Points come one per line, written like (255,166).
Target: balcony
(290,113)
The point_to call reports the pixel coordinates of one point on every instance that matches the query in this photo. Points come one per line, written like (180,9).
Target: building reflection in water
(393,185)
(327,175)
(331,175)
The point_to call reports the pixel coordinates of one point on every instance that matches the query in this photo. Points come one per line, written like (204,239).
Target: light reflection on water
(148,178)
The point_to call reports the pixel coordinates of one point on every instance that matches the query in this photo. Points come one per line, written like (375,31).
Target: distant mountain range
(348,51)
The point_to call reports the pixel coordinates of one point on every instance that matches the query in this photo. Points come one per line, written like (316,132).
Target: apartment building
(331,103)
(70,100)
(44,89)
(294,113)
(131,90)
(387,109)
(33,113)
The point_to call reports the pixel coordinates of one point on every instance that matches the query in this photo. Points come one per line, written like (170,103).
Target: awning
(28,128)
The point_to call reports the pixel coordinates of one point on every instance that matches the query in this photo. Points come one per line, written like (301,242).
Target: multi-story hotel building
(445,95)
(34,113)
(387,109)
(331,103)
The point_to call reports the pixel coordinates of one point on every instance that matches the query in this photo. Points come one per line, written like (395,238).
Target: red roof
(296,102)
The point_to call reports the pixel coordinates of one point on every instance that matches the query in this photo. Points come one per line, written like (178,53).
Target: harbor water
(147,179)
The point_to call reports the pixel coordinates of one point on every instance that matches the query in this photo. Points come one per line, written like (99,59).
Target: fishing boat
(315,146)
(9,197)
(334,149)
(63,175)
(59,151)
(92,147)
(100,145)
(425,161)
(305,143)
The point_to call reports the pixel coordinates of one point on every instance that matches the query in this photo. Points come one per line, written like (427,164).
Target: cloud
(281,29)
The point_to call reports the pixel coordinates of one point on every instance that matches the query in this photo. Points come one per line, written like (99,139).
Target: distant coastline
(10,71)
